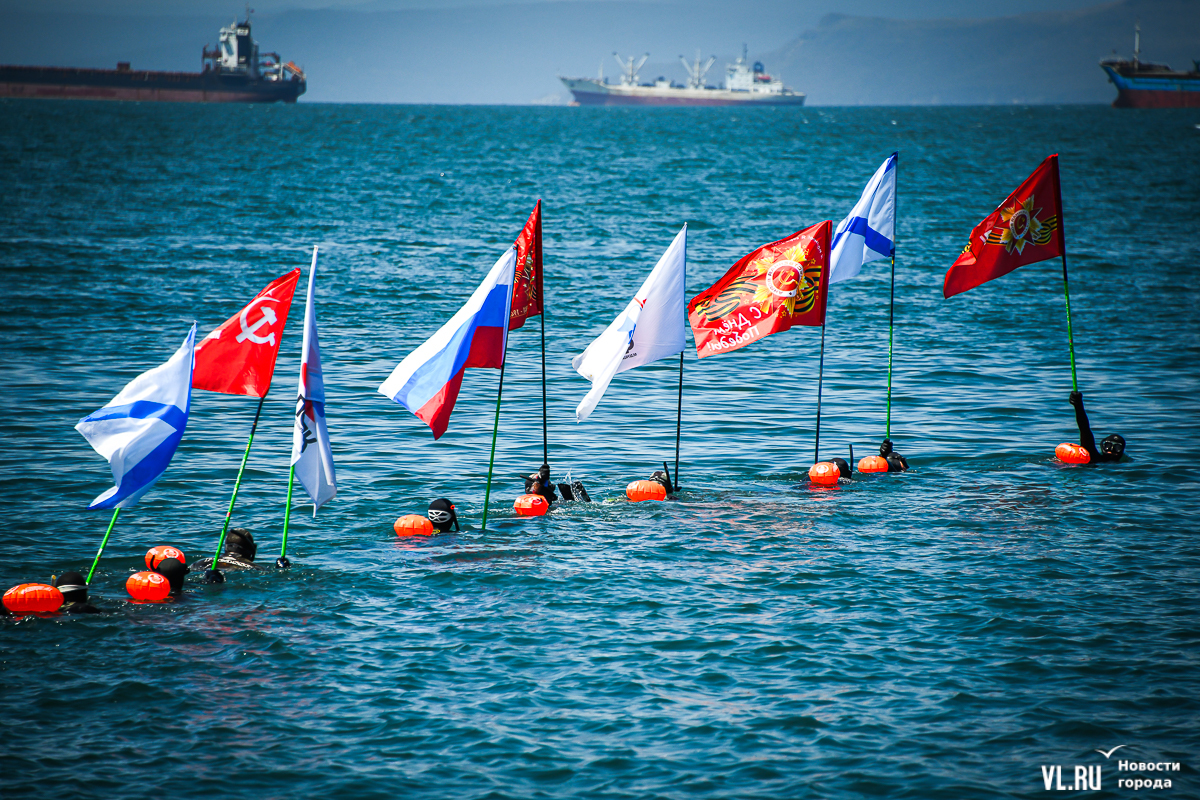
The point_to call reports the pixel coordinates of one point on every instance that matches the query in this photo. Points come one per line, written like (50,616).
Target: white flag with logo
(312,457)
(652,326)
(139,429)
(869,233)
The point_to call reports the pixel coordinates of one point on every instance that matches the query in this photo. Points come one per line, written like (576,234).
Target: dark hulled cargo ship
(1141,84)
(233,72)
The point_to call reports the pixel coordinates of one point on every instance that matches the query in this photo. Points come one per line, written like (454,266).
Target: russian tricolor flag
(428,380)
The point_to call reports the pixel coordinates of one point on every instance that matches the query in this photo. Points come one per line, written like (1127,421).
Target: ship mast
(696,72)
(1137,42)
(630,68)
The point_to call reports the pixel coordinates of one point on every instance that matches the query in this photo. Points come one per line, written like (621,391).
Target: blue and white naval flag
(140,428)
(311,455)
(869,233)
(652,326)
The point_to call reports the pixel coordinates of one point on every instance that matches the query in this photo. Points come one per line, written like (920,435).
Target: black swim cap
(72,586)
(240,542)
(173,570)
(1113,445)
(442,514)
(544,472)
(885,449)
(843,467)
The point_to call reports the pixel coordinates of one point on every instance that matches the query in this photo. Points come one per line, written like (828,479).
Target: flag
(868,234)
(139,429)
(527,283)
(311,455)
(239,356)
(427,381)
(773,288)
(651,327)
(1027,227)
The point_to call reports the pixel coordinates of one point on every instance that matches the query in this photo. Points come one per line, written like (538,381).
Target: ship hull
(1172,90)
(143,86)
(589,92)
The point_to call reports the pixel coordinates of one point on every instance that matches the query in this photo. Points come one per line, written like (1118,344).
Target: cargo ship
(744,85)
(233,72)
(1141,84)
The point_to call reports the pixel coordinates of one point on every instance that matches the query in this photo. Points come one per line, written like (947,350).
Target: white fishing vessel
(744,84)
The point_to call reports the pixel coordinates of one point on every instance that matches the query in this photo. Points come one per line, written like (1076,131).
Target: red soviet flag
(239,356)
(1027,227)
(527,282)
(777,286)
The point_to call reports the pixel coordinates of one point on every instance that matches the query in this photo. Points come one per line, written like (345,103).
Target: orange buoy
(33,598)
(1072,453)
(155,555)
(824,473)
(148,587)
(645,490)
(872,464)
(413,525)
(531,505)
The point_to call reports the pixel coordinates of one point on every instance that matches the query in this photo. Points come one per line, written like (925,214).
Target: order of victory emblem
(1021,227)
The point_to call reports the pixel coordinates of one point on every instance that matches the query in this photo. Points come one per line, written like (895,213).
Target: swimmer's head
(240,542)
(661,477)
(1113,445)
(173,570)
(843,467)
(544,472)
(885,449)
(442,514)
(72,586)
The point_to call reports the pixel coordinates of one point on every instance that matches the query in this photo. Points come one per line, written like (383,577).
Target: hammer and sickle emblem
(250,331)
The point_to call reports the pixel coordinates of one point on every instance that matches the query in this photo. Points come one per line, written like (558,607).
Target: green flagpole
(214,576)
(1070,334)
(678,421)
(487,495)
(820,379)
(103,543)
(282,561)
(891,324)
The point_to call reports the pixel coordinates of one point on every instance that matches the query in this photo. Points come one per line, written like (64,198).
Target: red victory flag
(777,286)
(527,284)
(239,356)
(1027,227)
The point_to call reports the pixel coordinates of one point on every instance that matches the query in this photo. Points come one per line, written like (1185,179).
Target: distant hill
(512,53)
(1034,58)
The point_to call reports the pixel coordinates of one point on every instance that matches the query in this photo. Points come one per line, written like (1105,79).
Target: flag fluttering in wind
(238,357)
(427,381)
(770,290)
(312,456)
(527,282)
(1027,227)
(139,429)
(651,327)
(869,232)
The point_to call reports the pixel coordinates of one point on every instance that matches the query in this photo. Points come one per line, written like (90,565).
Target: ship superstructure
(1142,84)
(744,84)
(233,72)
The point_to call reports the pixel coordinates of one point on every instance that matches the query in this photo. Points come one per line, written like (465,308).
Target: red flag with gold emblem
(527,283)
(1027,227)
(239,356)
(779,285)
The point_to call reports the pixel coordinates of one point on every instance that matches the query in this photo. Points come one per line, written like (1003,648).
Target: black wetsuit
(1086,439)
(227,561)
(78,607)
(535,485)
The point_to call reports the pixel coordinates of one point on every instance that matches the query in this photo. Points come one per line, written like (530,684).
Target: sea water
(945,633)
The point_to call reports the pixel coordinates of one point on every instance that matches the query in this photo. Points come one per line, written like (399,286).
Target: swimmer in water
(1112,448)
(895,461)
(239,553)
(74,592)
(663,477)
(844,468)
(174,571)
(539,483)
(442,514)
